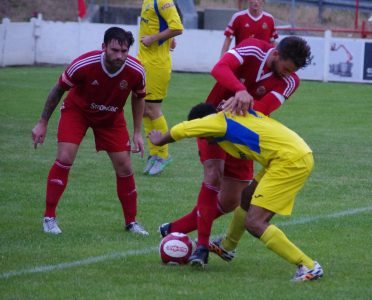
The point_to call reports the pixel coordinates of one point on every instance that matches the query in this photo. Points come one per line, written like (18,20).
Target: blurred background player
(254,72)
(160,22)
(250,23)
(99,83)
(286,160)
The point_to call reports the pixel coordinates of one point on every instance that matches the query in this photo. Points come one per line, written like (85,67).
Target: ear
(275,53)
(103,46)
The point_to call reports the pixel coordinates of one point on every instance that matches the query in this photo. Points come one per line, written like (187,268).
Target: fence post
(327,47)
(3,37)
(37,33)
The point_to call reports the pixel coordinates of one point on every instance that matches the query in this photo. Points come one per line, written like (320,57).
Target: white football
(176,248)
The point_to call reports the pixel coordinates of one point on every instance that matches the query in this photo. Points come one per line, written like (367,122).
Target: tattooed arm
(40,129)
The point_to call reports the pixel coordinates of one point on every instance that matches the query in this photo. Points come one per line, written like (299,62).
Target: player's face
(255,5)
(115,53)
(283,67)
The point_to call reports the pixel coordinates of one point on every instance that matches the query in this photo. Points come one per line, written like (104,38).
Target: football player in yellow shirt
(287,162)
(160,23)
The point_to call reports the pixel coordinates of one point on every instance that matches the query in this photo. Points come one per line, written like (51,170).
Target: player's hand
(173,44)
(138,144)
(39,132)
(239,104)
(155,136)
(147,40)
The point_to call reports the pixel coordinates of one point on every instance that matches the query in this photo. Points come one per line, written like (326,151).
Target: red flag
(82,9)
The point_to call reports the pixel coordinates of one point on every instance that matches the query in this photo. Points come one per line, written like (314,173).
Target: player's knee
(253,225)
(65,158)
(247,194)
(227,204)
(212,178)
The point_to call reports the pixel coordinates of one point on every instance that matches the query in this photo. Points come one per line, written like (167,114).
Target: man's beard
(274,68)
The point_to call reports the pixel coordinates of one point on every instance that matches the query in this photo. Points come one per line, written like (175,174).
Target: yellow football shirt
(156,16)
(254,136)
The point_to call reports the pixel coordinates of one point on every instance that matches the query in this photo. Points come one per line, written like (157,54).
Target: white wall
(41,41)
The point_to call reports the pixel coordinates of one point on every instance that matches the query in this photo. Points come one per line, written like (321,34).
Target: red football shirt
(243,25)
(95,91)
(245,67)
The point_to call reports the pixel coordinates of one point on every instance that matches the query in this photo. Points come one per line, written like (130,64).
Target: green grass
(335,120)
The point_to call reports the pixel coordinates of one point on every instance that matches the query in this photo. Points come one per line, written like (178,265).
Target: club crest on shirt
(246,25)
(264,25)
(261,90)
(123,84)
(167,5)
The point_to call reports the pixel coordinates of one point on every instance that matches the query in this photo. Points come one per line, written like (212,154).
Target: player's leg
(237,225)
(157,82)
(126,190)
(225,247)
(71,130)
(275,193)
(115,141)
(159,157)
(212,157)
(237,175)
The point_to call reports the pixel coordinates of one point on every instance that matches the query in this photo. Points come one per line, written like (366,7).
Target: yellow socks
(276,241)
(236,230)
(158,124)
(161,125)
(147,126)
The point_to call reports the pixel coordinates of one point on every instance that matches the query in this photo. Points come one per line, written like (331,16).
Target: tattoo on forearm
(51,103)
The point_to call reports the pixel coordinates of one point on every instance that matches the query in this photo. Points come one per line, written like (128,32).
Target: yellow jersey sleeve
(209,126)
(167,9)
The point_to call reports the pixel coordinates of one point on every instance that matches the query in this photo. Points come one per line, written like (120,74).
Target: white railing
(46,42)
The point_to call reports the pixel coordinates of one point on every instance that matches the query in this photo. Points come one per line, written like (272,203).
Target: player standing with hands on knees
(250,23)
(99,83)
(160,23)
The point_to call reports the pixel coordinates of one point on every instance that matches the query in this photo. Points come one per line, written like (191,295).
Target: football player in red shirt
(250,23)
(98,85)
(253,74)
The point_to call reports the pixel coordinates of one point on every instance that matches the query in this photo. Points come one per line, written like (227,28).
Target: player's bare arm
(226,45)
(40,129)
(147,40)
(159,139)
(138,105)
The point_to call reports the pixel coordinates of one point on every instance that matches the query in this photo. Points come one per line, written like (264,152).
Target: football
(176,248)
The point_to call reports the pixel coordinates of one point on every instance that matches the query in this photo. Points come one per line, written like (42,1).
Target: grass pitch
(95,259)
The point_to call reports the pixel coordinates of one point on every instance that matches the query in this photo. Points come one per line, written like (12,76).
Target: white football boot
(50,225)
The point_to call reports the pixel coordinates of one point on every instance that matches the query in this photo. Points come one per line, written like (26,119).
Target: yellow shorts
(157,82)
(279,184)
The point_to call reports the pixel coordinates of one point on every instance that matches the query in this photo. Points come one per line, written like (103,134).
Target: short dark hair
(201,110)
(120,35)
(296,49)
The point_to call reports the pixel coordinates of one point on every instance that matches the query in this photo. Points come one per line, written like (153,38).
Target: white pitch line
(116,255)
(83,262)
(339,214)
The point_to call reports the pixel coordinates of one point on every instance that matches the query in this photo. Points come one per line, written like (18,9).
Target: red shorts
(113,137)
(235,168)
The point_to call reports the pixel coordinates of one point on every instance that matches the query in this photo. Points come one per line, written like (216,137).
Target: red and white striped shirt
(243,25)
(98,92)
(245,67)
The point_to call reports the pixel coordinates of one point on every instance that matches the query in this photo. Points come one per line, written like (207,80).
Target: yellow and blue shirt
(156,16)
(254,136)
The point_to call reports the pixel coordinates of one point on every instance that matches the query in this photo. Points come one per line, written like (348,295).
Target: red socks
(187,223)
(206,213)
(126,189)
(56,184)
